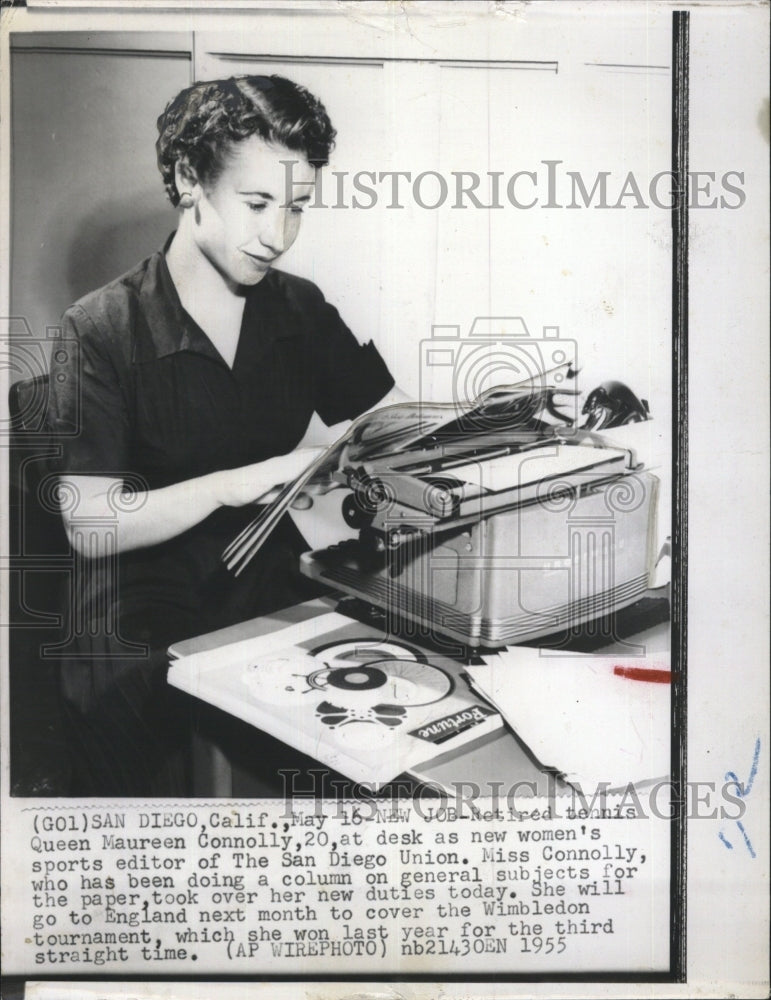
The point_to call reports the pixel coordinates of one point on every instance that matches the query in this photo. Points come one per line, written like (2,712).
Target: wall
(87,202)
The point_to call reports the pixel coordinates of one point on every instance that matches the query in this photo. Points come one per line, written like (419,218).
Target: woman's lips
(267,261)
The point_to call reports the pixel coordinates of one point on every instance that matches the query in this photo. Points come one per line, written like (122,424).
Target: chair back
(36,526)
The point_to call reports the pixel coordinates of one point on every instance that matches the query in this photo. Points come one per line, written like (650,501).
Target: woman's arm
(154,516)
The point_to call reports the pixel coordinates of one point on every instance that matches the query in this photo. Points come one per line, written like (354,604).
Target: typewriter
(503,525)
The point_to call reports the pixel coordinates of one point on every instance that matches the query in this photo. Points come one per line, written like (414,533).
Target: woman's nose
(272,231)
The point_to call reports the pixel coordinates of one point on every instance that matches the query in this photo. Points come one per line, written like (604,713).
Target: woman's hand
(250,483)
(158,515)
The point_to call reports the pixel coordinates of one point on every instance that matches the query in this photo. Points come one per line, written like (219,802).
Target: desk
(498,758)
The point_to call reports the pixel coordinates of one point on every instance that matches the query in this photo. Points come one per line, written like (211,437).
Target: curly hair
(203,122)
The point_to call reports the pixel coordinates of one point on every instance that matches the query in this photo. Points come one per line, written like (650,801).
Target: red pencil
(644,674)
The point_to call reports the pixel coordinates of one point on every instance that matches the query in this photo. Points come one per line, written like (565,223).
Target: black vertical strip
(679,586)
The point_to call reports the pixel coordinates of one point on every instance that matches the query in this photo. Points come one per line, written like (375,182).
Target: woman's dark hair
(203,122)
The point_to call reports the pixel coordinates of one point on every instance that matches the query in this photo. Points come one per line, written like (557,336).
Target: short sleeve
(87,413)
(350,377)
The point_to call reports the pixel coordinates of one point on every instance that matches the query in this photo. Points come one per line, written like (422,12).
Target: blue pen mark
(746,838)
(743,791)
(727,843)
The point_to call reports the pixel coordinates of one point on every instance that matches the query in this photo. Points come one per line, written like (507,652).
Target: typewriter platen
(505,525)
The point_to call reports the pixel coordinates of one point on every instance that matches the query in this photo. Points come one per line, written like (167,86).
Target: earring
(186,200)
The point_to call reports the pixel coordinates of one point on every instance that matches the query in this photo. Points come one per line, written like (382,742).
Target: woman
(195,378)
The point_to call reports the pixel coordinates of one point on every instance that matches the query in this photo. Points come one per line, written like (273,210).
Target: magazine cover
(367,707)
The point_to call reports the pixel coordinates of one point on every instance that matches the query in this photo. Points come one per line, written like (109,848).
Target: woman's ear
(187,183)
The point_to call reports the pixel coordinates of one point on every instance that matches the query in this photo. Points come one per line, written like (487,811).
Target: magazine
(369,707)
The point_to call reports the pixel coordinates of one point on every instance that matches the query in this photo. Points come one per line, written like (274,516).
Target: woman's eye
(256,206)
(296,209)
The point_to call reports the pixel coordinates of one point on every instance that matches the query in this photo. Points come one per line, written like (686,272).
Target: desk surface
(494,762)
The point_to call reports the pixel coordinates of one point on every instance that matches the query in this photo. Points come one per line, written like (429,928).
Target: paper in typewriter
(525,469)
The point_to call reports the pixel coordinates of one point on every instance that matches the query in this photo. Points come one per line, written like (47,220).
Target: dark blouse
(152,397)
(139,392)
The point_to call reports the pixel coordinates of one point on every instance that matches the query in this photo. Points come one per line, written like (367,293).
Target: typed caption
(252,887)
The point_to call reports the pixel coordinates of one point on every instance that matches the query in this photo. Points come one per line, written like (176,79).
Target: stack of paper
(597,719)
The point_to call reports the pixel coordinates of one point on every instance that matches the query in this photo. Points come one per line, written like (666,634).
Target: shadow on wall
(77,256)
(109,241)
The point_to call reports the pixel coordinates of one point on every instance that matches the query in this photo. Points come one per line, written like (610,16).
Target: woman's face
(251,214)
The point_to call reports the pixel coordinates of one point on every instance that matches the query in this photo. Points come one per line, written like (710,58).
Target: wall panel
(87,200)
